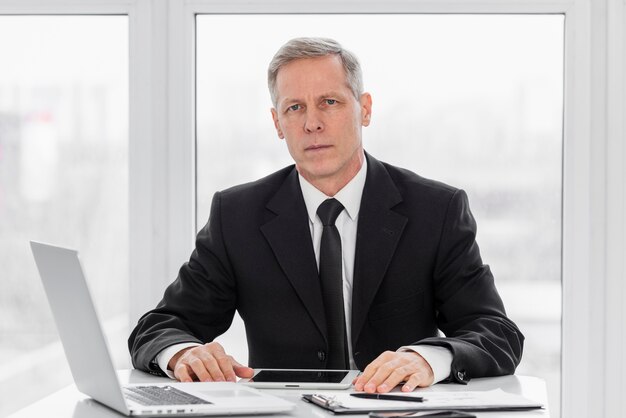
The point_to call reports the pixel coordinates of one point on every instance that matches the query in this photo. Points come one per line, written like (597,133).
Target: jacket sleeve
(483,341)
(197,307)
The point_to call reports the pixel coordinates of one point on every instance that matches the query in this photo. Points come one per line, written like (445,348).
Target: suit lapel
(378,233)
(288,234)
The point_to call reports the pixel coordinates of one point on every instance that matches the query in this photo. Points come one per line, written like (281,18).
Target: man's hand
(207,363)
(391,368)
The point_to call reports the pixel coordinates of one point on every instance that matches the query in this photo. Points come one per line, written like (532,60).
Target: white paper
(496,398)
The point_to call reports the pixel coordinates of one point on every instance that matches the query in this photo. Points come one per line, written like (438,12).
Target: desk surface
(69,402)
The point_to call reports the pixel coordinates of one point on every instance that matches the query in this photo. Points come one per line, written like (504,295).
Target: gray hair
(299,48)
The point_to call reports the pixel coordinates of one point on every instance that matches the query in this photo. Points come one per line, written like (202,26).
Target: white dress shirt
(439,358)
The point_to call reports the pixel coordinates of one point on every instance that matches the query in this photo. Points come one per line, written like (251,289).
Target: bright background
(63,180)
(471,100)
(475,101)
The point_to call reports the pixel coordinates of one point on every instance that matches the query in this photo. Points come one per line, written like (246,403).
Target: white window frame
(162,160)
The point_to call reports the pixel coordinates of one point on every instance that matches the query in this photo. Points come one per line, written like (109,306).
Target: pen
(385,397)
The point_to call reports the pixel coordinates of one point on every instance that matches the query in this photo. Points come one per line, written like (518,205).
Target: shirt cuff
(164,357)
(439,359)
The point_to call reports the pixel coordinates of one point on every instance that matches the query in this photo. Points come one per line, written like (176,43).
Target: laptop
(92,368)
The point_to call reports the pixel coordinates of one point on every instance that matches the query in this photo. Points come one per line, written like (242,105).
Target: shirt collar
(349,196)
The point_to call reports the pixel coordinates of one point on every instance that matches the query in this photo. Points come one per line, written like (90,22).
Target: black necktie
(331,278)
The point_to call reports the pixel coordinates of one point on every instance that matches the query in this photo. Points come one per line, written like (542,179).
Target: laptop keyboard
(160,395)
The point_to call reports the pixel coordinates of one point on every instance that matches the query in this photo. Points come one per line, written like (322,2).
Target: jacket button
(321,355)
(460,375)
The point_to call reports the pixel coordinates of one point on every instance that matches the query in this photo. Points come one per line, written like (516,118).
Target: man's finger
(398,375)
(365,377)
(213,368)
(225,364)
(209,363)
(415,380)
(199,368)
(217,362)
(382,374)
(181,373)
(369,371)
(241,370)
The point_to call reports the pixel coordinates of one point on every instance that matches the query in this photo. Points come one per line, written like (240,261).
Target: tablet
(301,378)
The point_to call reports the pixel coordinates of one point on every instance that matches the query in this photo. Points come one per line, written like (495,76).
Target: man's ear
(276,124)
(366,108)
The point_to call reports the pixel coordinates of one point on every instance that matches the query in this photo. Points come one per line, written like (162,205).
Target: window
(63,180)
(475,101)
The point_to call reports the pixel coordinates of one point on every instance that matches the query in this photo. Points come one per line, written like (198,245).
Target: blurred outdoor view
(63,180)
(475,101)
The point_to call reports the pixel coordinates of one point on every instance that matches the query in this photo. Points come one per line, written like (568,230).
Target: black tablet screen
(299,376)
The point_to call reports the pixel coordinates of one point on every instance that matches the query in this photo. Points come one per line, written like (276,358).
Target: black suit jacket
(417,270)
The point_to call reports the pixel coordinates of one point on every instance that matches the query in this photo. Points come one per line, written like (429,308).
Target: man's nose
(313,122)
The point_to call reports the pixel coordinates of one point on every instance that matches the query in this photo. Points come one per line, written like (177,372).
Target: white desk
(69,402)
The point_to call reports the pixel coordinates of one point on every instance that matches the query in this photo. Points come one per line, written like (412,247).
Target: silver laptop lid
(78,325)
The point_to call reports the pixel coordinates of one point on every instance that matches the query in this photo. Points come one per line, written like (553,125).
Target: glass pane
(471,100)
(63,180)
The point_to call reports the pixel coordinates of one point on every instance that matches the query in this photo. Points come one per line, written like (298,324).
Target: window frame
(162,160)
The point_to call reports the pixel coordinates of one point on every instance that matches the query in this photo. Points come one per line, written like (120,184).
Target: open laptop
(90,362)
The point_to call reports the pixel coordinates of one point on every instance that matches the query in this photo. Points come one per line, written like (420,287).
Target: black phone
(438,414)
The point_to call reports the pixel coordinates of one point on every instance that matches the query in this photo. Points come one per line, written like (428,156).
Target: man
(339,230)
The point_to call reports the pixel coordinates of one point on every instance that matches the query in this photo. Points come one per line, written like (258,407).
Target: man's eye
(331,101)
(294,107)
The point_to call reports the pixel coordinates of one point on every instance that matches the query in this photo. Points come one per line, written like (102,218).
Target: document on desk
(492,400)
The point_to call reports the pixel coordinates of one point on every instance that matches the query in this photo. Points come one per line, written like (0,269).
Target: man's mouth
(317,147)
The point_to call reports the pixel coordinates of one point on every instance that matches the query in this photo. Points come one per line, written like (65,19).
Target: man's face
(320,119)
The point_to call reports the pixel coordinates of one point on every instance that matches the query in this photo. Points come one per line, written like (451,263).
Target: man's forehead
(318,76)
